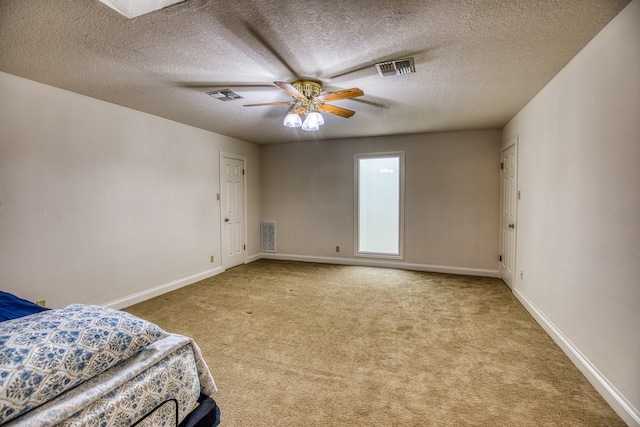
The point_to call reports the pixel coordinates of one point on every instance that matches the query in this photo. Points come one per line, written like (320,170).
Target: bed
(85,365)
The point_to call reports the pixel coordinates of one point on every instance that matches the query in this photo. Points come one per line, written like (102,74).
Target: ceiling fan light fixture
(310,127)
(312,122)
(292,120)
(317,117)
(308,100)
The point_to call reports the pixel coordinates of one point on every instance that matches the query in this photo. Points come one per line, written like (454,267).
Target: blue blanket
(12,307)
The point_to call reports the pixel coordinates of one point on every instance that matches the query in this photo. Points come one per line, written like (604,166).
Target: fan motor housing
(309,88)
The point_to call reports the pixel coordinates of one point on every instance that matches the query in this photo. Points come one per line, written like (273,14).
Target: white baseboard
(161,289)
(254,258)
(385,264)
(614,398)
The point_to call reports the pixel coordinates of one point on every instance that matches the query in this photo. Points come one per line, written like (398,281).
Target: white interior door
(232,211)
(508,215)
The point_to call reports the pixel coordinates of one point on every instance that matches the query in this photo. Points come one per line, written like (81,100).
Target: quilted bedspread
(45,354)
(171,367)
(172,377)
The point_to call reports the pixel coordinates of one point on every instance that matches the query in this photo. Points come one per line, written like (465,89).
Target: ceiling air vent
(224,95)
(396,68)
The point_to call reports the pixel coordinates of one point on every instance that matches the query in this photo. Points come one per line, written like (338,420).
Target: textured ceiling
(478,62)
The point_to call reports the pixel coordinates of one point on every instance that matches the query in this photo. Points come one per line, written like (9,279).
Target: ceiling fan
(308,101)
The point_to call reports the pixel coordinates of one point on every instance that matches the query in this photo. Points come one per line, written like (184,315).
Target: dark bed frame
(206,414)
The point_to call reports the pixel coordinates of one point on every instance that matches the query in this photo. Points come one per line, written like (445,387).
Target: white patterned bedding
(175,377)
(128,367)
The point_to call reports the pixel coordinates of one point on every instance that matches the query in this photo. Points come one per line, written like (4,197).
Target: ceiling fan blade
(341,94)
(270,103)
(338,111)
(288,87)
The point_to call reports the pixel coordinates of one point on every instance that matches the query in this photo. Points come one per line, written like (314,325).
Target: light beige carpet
(301,344)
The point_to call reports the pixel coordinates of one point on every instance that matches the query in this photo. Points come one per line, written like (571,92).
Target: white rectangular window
(379,204)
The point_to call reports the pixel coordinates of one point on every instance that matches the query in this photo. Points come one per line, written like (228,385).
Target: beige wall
(100,203)
(578,241)
(451,200)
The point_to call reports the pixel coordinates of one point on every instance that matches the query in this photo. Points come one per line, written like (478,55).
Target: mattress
(89,365)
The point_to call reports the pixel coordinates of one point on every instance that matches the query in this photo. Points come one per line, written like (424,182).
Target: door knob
(226,220)
(511,225)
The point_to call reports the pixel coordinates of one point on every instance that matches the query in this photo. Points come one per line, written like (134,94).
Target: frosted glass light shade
(292,121)
(313,121)
(317,117)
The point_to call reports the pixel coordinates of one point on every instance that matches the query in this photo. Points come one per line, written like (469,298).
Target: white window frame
(357,252)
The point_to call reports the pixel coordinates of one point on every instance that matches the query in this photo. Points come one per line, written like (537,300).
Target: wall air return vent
(224,95)
(396,68)
(267,236)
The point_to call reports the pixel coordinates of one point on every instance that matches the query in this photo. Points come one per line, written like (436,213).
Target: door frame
(234,156)
(511,142)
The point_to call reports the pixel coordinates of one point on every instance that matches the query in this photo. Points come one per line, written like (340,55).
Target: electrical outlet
(212,258)
(337,248)
(42,303)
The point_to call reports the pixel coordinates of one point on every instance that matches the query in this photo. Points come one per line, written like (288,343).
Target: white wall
(99,203)
(451,199)
(578,241)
